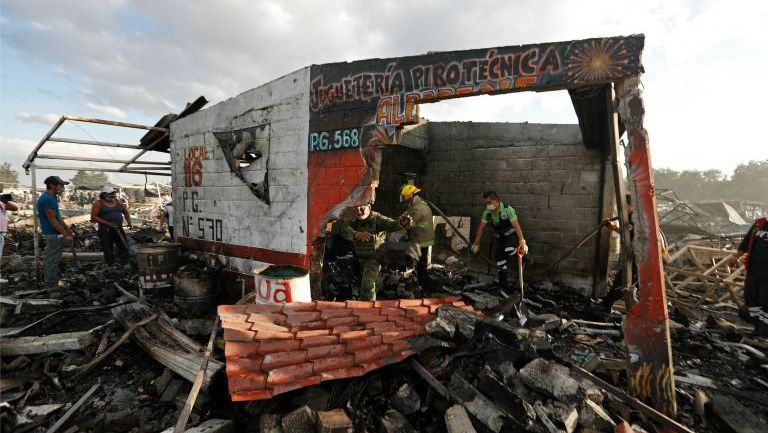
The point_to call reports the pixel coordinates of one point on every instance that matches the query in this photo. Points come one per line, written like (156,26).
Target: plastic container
(281,284)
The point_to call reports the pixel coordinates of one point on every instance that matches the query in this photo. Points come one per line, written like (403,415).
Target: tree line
(9,178)
(748,182)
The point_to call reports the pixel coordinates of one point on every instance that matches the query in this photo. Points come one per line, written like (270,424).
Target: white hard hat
(108,189)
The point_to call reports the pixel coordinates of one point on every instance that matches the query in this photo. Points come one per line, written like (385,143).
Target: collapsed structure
(262,179)
(258,178)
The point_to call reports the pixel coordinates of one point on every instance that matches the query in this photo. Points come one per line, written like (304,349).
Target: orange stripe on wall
(246,252)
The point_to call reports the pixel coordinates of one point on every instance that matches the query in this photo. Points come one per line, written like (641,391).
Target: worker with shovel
(508,234)
(109,213)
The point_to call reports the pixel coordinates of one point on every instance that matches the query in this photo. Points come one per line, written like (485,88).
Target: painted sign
(334,140)
(395,86)
(193,165)
(377,96)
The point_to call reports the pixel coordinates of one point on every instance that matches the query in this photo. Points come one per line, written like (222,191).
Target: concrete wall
(216,211)
(543,171)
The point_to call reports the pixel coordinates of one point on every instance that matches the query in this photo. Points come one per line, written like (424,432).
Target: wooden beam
(213,425)
(48,343)
(72,410)
(166,344)
(181,424)
(603,252)
(619,190)
(95,361)
(648,411)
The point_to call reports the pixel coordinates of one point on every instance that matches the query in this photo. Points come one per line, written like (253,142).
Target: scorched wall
(250,209)
(544,171)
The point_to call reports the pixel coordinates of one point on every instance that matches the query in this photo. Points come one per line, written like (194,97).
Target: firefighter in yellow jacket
(420,227)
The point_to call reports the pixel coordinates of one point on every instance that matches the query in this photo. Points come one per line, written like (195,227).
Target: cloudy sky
(136,60)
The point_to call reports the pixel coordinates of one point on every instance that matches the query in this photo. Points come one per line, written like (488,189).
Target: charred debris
(102,354)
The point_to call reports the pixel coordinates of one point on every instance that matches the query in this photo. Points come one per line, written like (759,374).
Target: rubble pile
(484,374)
(58,344)
(341,277)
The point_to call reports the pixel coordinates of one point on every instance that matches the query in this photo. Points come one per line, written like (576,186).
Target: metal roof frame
(131,165)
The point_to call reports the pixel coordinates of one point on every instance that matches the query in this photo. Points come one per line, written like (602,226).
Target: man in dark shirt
(753,251)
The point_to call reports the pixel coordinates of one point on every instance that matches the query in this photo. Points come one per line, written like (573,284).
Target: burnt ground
(138,394)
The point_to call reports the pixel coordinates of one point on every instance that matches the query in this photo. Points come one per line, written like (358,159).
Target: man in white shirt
(168,213)
(6,204)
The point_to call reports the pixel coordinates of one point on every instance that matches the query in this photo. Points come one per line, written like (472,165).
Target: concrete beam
(646,325)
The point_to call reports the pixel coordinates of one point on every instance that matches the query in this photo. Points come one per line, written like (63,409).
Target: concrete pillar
(646,326)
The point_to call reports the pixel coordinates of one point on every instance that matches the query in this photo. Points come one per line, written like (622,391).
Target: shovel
(78,265)
(131,251)
(521,312)
(520,309)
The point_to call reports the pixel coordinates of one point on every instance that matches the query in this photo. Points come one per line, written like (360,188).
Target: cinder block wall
(542,170)
(214,210)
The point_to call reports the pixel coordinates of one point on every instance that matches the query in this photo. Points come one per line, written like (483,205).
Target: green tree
(749,181)
(90,179)
(8,176)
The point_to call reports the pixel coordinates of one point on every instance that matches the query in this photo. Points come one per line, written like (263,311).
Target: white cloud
(109,110)
(698,55)
(42,118)
(14,150)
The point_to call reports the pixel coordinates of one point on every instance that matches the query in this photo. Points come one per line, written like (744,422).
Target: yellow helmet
(408,191)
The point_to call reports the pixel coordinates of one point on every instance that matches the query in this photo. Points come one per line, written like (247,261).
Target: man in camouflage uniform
(367,233)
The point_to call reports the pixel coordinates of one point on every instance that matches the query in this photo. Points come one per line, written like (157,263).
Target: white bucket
(281,284)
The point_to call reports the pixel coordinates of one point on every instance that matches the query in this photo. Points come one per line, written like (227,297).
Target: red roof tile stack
(275,348)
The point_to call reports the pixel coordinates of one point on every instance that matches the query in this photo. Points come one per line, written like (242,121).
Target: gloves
(522,246)
(475,248)
(362,236)
(406,220)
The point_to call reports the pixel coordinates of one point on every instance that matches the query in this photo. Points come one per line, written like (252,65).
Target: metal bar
(60,167)
(31,156)
(157,167)
(80,158)
(619,188)
(114,123)
(455,229)
(144,150)
(650,412)
(109,170)
(93,143)
(35,241)
(151,173)
(646,325)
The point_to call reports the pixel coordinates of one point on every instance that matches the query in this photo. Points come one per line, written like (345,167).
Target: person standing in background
(168,215)
(109,213)
(55,232)
(753,252)
(6,204)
